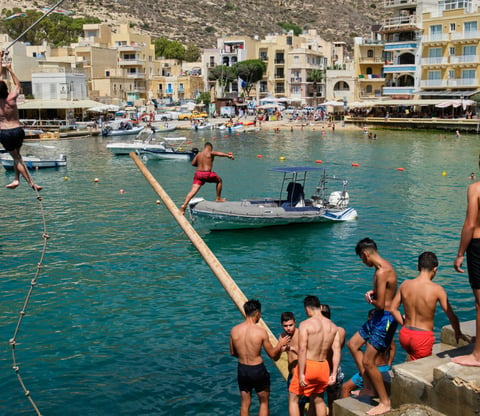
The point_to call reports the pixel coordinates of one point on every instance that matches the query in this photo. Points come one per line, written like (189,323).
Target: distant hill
(201,22)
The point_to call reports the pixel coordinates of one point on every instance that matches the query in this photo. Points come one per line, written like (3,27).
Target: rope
(33,282)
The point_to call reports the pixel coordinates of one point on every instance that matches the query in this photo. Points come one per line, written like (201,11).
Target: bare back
(204,160)
(419,297)
(246,341)
(9,118)
(473,208)
(384,285)
(320,333)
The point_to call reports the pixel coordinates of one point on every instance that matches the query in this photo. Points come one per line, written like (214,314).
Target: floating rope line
(33,282)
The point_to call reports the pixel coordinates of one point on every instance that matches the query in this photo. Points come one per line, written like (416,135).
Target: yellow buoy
(444,173)
(282,157)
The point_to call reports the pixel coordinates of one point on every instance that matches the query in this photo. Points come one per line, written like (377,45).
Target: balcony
(297,80)
(463,82)
(279,76)
(136,75)
(371,78)
(472,34)
(464,59)
(391,69)
(279,61)
(433,83)
(435,61)
(398,90)
(129,48)
(131,62)
(399,3)
(400,23)
(371,60)
(400,46)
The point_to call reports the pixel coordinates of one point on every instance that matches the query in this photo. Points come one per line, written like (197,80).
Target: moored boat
(122,127)
(290,207)
(34,162)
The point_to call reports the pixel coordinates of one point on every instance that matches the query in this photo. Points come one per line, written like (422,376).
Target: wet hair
(287,316)
(252,306)
(365,244)
(208,144)
(311,302)
(3,89)
(427,260)
(325,309)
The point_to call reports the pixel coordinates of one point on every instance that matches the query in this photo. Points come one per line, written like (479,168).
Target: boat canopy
(295,169)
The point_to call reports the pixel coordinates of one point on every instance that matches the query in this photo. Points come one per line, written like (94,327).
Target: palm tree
(316,76)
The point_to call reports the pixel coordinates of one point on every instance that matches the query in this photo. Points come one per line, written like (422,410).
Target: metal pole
(34,24)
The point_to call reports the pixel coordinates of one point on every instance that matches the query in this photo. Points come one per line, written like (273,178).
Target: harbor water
(127,319)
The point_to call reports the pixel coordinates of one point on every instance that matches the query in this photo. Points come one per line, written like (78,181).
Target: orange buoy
(318,161)
(355,165)
(95,180)
(400,169)
(259,156)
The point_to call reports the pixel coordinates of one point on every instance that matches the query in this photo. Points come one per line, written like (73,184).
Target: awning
(57,104)
(456,94)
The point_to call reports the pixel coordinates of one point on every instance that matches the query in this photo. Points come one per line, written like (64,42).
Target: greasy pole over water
(221,274)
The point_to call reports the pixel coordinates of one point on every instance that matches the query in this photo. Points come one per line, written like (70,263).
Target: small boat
(291,206)
(201,124)
(165,128)
(145,144)
(34,162)
(123,127)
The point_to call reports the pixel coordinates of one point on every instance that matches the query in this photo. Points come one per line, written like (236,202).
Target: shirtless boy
(377,333)
(317,336)
(11,131)
(246,342)
(419,298)
(470,244)
(204,164)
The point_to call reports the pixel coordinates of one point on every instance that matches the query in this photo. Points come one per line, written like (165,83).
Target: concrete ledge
(447,335)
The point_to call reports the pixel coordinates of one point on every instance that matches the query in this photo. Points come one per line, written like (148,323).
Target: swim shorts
(357,379)
(473,263)
(379,330)
(418,343)
(12,139)
(253,377)
(336,389)
(201,177)
(317,374)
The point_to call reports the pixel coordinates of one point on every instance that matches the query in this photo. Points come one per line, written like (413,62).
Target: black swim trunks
(253,377)
(473,263)
(12,139)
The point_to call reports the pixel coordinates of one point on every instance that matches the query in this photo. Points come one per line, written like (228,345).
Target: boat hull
(261,213)
(166,154)
(134,130)
(35,163)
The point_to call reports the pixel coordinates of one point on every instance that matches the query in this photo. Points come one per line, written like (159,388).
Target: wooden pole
(221,274)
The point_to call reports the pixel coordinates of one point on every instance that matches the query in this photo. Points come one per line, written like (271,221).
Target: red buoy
(318,161)
(355,165)
(400,169)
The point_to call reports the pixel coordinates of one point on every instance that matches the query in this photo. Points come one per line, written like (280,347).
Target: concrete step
(360,405)
(447,335)
(438,383)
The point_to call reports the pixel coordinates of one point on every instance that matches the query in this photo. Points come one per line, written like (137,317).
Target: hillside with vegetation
(201,22)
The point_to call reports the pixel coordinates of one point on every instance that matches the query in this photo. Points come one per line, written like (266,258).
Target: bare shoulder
(474,189)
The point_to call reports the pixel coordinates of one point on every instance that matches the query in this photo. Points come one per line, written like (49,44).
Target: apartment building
(449,50)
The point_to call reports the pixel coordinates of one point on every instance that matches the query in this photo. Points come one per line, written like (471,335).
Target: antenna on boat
(34,24)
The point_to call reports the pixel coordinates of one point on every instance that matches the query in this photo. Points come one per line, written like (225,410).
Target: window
(452,27)
(468,74)
(296,59)
(470,27)
(452,51)
(436,32)
(451,74)
(370,53)
(470,50)
(435,55)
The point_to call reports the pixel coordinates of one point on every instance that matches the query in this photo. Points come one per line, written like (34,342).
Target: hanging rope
(33,282)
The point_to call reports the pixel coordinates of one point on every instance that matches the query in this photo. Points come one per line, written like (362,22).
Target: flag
(58,11)
(13,16)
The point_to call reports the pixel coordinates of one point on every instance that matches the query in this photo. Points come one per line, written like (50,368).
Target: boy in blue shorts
(377,333)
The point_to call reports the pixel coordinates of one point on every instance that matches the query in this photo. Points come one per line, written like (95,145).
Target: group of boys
(314,349)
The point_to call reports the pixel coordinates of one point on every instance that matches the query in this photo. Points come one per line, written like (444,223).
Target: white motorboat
(146,144)
(291,206)
(123,127)
(35,162)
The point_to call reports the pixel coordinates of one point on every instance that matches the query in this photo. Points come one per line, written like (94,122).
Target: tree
(192,53)
(287,27)
(169,49)
(223,75)
(316,77)
(250,72)
(204,97)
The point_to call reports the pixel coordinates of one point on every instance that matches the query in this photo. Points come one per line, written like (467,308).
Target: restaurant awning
(57,104)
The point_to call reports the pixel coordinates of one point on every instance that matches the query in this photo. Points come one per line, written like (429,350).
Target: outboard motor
(338,199)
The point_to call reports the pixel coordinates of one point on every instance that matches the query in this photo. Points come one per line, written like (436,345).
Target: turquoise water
(128,320)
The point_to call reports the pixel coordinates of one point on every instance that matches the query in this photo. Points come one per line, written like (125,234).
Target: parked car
(193,114)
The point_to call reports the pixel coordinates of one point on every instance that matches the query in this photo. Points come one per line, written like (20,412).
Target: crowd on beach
(314,348)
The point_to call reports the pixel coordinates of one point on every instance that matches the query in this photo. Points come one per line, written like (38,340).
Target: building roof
(57,104)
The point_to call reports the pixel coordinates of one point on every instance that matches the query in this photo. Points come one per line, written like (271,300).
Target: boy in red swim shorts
(204,163)
(419,298)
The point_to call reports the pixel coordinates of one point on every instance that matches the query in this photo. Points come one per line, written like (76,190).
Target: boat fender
(195,150)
